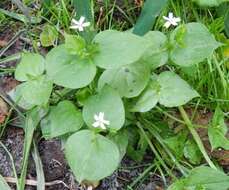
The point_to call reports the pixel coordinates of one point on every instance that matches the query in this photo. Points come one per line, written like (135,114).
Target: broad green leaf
(174,90)
(16,96)
(150,11)
(118,49)
(205,177)
(209,3)
(148,98)
(157,54)
(34,92)
(62,119)
(177,143)
(48,36)
(74,44)
(192,152)
(217,131)
(209,178)
(31,65)
(129,80)
(121,140)
(91,156)
(109,102)
(3,184)
(67,70)
(191,43)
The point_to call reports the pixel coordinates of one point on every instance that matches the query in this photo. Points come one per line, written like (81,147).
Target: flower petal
(96,124)
(96,117)
(101,116)
(74,27)
(165,18)
(81,20)
(80,28)
(177,19)
(170,15)
(102,126)
(106,122)
(167,24)
(86,24)
(74,21)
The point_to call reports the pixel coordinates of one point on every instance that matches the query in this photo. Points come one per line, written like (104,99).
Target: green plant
(116,69)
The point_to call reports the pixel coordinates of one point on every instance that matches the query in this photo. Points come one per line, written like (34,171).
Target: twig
(32,182)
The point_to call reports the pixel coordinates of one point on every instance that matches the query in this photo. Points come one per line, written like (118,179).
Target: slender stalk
(169,115)
(159,139)
(155,151)
(196,136)
(142,175)
(12,161)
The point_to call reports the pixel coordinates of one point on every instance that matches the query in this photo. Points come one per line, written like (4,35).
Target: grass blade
(39,168)
(85,8)
(31,121)
(150,11)
(21,17)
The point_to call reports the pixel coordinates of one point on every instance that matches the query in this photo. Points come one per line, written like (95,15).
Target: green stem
(195,136)
(169,115)
(155,151)
(160,140)
(12,161)
(142,175)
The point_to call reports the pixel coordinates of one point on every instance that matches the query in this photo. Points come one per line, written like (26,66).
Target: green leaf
(31,65)
(67,70)
(3,184)
(91,156)
(21,17)
(150,11)
(74,44)
(118,49)
(226,23)
(16,96)
(48,36)
(128,80)
(191,43)
(34,92)
(85,8)
(192,152)
(148,98)
(217,131)
(177,143)
(205,177)
(174,90)
(82,95)
(62,119)
(209,3)
(121,140)
(157,54)
(106,101)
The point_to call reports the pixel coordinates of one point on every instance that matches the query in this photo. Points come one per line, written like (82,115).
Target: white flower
(171,20)
(90,188)
(79,25)
(100,121)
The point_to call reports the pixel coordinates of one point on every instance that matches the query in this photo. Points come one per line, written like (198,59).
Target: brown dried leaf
(4,110)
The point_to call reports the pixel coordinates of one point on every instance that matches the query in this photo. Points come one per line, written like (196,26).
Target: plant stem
(12,161)
(195,136)
(142,175)
(155,151)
